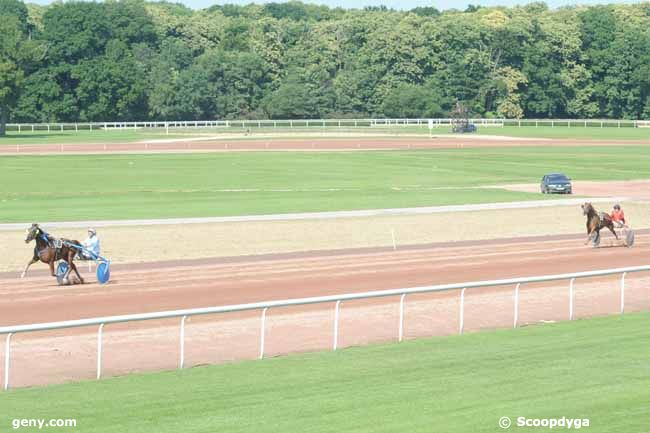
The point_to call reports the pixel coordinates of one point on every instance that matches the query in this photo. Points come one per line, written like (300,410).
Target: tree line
(135,60)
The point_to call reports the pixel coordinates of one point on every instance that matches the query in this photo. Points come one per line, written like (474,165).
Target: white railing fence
(316,123)
(101,322)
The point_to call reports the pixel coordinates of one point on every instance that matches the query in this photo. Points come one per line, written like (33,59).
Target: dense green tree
(165,75)
(412,101)
(426,11)
(11,74)
(294,98)
(89,71)
(128,59)
(109,87)
(18,54)
(236,82)
(17,10)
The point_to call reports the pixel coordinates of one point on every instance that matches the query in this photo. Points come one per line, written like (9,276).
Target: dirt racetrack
(59,356)
(313,143)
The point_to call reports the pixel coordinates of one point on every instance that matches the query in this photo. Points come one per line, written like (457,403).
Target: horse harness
(54,243)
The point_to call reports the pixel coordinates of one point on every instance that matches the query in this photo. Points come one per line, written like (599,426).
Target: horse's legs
(31,262)
(73,267)
(51,263)
(611,229)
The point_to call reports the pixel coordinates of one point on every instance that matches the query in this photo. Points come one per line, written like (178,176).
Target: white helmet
(92,231)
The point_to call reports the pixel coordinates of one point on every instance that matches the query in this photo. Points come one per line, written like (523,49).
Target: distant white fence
(317,123)
(337,299)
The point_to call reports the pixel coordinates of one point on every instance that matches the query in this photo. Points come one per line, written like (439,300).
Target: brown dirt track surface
(58,356)
(312,143)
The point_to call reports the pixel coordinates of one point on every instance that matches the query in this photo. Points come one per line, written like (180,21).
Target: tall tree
(136,59)
(17,53)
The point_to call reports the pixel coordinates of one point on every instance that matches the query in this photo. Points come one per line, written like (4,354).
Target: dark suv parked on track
(556,182)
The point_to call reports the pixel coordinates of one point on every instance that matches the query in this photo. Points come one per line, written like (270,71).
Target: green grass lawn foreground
(79,187)
(596,369)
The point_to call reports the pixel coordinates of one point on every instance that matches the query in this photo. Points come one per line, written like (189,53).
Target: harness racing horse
(595,222)
(48,250)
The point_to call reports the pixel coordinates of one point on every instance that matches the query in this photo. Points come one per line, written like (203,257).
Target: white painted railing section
(318,123)
(337,299)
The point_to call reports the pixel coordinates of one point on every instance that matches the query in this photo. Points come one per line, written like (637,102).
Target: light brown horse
(595,222)
(49,250)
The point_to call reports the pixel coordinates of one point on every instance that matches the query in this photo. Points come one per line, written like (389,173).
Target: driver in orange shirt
(618,216)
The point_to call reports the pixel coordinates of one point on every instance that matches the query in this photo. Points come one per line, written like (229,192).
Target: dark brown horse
(595,222)
(49,250)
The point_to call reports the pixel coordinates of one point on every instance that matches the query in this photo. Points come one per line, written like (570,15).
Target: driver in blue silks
(91,244)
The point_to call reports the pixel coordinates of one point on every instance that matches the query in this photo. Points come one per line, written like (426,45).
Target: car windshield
(558,178)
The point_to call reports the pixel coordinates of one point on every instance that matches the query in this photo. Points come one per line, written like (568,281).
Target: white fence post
(401,317)
(263,326)
(461,320)
(181,363)
(516,313)
(336,324)
(623,293)
(7,355)
(99,351)
(571,298)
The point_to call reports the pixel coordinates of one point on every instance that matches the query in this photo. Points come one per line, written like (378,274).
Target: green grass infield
(81,187)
